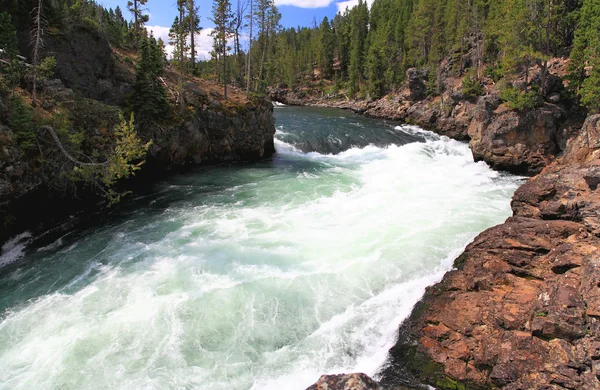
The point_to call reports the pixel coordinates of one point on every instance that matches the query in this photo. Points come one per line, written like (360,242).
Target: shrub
(21,120)
(519,100)
(90,24)
(471,86)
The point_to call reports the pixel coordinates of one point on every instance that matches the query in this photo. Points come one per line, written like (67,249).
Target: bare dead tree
(67,154)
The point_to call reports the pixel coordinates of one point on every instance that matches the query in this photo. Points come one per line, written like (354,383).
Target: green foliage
(590,88)
(8,35)
(359,25)
(47,67)
(586,53)
(520,100)
(140,17)
(373,48)
(471,86)
(90,23)
(4,87)
(21,121)
(326,41)
(149,99)
(14,73)
(126,159)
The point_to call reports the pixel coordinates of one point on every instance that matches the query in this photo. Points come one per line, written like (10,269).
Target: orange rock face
(522,308)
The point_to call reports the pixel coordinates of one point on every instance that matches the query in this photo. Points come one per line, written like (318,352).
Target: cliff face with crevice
(91,85)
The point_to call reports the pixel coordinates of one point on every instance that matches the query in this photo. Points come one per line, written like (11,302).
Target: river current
(260,276)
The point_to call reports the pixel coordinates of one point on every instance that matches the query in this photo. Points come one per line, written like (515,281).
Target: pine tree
(222,17)
(149,99)
(250,18)
(178,36)
(139,17)
(586,53)
(267,22)
(21,121)
(326,41)
(193,28)
(8,36)
(359,20)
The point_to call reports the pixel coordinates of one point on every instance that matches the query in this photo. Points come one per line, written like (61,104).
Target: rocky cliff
(92,84)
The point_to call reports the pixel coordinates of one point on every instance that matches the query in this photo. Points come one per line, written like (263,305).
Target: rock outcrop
(345,382)
(522,308)
(518,142)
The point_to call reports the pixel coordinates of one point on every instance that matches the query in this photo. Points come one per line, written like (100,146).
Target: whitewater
(256,276)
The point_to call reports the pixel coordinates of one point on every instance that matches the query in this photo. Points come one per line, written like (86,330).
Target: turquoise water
(259,276)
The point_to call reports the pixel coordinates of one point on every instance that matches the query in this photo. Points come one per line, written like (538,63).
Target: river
(260,276)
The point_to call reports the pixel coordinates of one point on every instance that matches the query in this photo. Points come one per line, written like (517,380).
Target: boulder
(345,382)
(522,142)
(416,83)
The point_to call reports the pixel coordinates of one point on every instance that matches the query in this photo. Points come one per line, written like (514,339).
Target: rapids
(259,276)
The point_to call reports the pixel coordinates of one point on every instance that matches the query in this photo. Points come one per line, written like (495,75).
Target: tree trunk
(192,33)
(224,48)
(262,66)
(181,36)
(543,77)
(136,26)
(36,50)
(248,57)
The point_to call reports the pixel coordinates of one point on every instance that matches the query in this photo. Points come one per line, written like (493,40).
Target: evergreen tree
(21,121)
(8,36)
(178,36)
(149,99)
(586,55)
(139,17)
(359,22)
(326,41)
(222,17)
(193,28)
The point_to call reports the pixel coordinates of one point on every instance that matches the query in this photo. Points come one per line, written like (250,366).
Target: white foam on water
(265,287)
(14,249)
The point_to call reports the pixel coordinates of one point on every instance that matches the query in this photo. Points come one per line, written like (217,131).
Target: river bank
(522,307)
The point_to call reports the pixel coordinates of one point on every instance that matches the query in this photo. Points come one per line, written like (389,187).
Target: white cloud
(204,42)
(305,3)
(342,5)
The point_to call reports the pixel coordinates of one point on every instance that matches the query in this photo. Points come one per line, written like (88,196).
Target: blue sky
(294,13)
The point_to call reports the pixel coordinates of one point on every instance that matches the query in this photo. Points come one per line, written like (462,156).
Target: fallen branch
(64,151)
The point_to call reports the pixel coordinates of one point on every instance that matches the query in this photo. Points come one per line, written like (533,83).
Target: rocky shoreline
(521,309)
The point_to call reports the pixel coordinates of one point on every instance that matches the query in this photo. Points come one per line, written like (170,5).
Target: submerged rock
(345,382)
